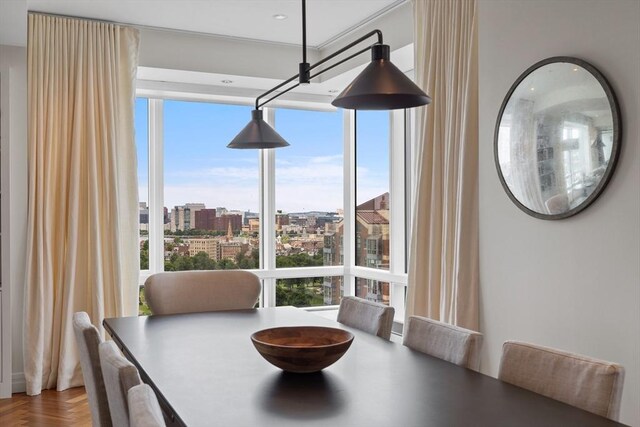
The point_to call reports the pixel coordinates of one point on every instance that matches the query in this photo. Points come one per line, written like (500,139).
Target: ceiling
(252,20)
(327,20)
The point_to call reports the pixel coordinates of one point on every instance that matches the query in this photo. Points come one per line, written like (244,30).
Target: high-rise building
(193,208)
(183,217)
(372,250)
(205,219)
(180,218)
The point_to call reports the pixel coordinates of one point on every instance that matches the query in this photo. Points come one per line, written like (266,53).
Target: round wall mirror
(557,138)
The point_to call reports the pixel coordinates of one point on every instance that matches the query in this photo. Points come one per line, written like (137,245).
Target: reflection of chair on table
(557,204)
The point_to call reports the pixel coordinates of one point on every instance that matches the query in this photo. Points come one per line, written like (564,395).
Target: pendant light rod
(378,33)
(304,31)
(366,49)
(273,89)
(347,47)
(280,93)
(303,67)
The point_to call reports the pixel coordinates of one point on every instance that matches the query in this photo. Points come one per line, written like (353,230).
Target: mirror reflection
(556,138)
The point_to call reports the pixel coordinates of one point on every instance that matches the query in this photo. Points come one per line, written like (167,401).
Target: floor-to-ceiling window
(211,193)
(332,223)
(372,201)
(308,201)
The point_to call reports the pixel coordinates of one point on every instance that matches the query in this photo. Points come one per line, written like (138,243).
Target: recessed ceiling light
(279,16)
(575,69)
(532,89)
(227,81)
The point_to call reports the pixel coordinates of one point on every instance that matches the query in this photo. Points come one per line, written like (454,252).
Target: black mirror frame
(615,149)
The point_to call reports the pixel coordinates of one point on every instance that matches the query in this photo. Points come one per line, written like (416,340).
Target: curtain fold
(443,258)
(82,216)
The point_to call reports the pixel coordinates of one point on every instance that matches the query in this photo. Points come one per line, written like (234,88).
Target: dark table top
(205,370)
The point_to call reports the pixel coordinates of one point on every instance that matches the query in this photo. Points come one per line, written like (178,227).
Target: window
(308,198)
(142,148)
(210,192)
(309,185)
(206,202)
(372,200)
(309,291)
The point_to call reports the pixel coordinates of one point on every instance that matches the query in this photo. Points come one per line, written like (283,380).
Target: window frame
(396,276)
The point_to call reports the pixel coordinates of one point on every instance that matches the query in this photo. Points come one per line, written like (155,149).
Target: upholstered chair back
(88,339)
(119,376)
(590,384)
(447,342)
(368,316)
(144,410)
(199,291)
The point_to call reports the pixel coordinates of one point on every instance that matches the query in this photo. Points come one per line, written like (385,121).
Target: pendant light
(257,134)
(380,86)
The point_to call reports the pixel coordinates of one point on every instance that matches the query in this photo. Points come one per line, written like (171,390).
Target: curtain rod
(172,30)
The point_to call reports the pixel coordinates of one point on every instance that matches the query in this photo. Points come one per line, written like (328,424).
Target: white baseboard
(18,383)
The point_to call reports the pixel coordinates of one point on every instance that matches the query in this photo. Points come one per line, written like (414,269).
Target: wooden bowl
(302,349)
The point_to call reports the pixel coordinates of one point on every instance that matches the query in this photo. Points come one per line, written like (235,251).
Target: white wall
(15,158)
(574,283)
(197,52)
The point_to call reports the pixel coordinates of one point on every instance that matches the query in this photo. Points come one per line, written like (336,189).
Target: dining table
(205,371)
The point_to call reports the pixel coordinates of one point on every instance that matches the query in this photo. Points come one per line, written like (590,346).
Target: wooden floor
(51,408)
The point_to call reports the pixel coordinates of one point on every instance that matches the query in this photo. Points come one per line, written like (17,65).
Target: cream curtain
(82,224)
(443,259)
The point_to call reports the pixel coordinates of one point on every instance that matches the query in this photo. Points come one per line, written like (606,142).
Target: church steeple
(229,232)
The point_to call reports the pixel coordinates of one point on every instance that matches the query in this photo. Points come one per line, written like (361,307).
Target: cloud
(227,173)
(302,183)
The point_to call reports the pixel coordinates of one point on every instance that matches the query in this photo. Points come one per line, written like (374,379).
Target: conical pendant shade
(257,134)
(381,86)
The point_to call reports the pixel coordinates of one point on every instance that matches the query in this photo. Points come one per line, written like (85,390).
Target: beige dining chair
(590,384)
(199,291)
(119,376)
(88,340)
(444,341)
(368,316)
(144,409)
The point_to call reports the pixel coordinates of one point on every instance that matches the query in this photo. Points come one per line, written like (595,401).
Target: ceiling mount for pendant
(380,86)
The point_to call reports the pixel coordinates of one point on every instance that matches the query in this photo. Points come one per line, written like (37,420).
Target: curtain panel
(82,236)
(443,257)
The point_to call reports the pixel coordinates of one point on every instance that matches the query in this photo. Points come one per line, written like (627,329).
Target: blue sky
(200,168)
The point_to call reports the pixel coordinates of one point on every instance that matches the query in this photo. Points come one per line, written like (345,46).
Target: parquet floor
(50,409)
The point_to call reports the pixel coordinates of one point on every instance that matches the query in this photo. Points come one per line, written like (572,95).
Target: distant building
(210,246)
(329,218)
(248,216)
(183,217)
(222,223)
(281,220)
(143,212)
(254,225)
(332,254)
(372,250)
(205,219)
(229,250)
